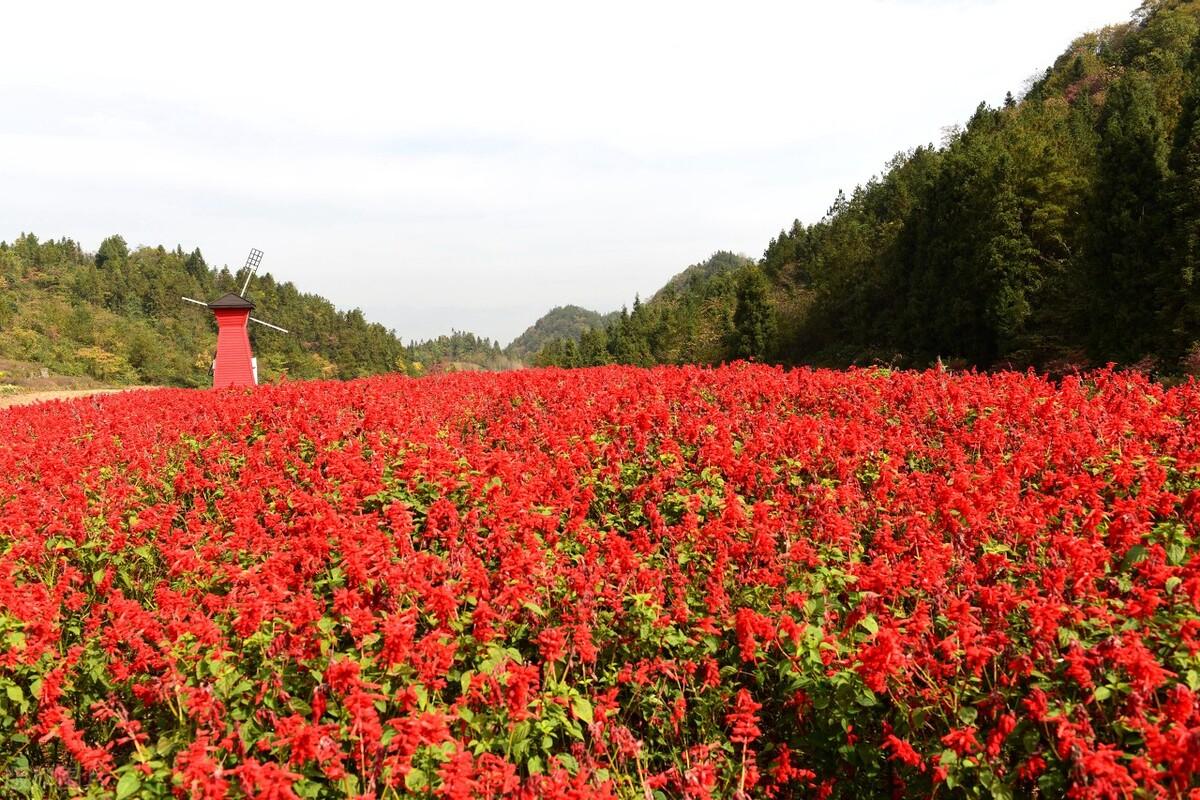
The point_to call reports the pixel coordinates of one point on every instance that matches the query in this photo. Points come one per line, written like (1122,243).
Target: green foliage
(754,319)
(1060,229)
(455,353)
(565,323)
(689,320)
(697,275)
(117,317)
(1126,266)
(1184,202)
(113,253)
(971,264)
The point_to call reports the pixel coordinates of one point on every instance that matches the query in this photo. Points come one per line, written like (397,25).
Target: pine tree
(195,265)
(1010,263)
(1185,212)
(754,319)
(1128,281)
(113,253)
(570,354)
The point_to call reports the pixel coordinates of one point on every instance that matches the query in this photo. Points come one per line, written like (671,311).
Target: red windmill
(235,364)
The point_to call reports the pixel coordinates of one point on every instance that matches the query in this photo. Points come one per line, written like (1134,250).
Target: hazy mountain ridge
(560,322)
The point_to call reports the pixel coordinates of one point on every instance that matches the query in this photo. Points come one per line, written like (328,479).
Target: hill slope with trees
(561,322)
(689,320)
(1059,229)
(116,316)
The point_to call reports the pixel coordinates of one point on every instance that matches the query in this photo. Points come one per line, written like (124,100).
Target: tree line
(1058,229)
(116,316)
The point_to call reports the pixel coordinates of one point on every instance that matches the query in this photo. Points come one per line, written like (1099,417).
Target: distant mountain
(689,320)
(563,322)
(718,263)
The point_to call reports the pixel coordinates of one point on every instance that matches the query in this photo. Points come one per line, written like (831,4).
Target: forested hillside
(1060,228)
(689,320)
(561,322)
(459,351)
(1055,230)
(117,317)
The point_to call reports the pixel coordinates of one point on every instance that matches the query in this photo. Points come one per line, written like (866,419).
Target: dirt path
(25,398)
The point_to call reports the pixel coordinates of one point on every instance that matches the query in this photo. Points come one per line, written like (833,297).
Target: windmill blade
(197,302)
(269,325)
(252,262)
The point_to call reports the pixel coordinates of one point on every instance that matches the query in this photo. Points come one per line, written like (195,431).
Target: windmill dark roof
(231,300)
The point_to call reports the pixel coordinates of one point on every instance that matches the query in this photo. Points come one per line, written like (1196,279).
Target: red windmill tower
(235,364)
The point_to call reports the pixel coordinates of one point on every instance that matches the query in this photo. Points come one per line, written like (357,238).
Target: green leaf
(306,788)
(1102,693)
(129,783)
(416,780)
(15,693)
(870,624)
(1133,555)
(583,709)
(676,637)
(844,696)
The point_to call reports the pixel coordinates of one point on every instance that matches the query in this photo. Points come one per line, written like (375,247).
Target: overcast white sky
(471,165)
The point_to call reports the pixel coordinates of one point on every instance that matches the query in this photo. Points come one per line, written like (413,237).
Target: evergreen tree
(754,319)
(593,348)
(1129,282)
(968,263)
(195,265)
(570,354)
(113,253)
(1185,210)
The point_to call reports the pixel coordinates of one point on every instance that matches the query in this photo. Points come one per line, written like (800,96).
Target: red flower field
(630,583)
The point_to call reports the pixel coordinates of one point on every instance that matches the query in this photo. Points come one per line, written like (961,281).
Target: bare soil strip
(25,398)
